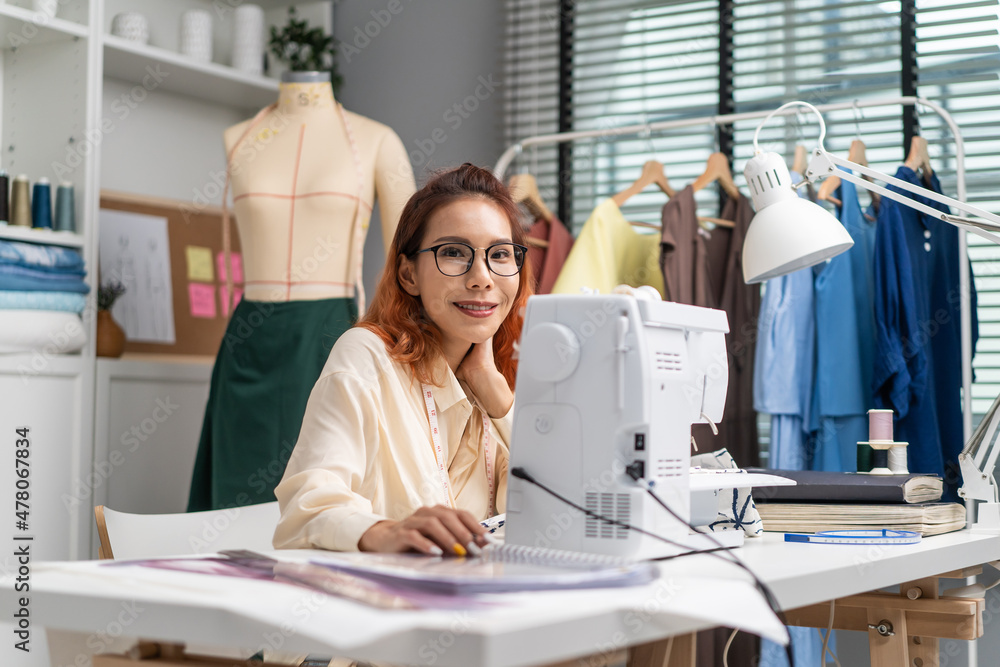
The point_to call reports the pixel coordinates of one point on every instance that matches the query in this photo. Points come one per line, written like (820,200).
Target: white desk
(533,628)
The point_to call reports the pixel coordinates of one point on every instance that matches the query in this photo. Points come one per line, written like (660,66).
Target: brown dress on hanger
(683,255)
(708,272)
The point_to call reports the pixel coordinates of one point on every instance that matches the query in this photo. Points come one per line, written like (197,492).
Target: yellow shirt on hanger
(365,453)
(609,252)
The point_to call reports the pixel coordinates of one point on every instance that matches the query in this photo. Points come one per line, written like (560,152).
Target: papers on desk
(924,518)
(500,569)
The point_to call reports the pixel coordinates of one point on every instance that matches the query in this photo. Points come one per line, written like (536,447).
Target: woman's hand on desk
(479,371)
(430,530)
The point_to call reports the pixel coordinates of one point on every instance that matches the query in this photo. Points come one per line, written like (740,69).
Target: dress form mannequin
(304,175)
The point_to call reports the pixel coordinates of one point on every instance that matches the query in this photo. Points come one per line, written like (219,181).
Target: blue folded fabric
(28,284)
(43,257)
(62,301)
(40,275)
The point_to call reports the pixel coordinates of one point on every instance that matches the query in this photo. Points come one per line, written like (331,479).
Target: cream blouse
(365,453)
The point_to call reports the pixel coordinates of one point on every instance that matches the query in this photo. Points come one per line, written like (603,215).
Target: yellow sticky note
(199,263)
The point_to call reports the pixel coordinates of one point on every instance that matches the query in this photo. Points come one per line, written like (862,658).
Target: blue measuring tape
(881,536)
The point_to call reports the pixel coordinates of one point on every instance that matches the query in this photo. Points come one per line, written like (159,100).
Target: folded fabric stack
(42,293)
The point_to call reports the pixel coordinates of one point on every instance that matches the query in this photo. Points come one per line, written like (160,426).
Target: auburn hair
(398,318)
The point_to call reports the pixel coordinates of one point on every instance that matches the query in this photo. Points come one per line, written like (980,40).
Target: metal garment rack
(512,152)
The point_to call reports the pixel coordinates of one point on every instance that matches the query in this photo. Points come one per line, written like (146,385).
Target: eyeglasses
(455,259)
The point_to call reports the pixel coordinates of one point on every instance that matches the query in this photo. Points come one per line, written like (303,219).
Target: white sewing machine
(610,381)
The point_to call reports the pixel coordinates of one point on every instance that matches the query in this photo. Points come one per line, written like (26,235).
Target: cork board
(195,239)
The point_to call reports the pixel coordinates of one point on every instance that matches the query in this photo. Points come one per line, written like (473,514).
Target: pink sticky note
(223,293)
(237,261)
(202,298)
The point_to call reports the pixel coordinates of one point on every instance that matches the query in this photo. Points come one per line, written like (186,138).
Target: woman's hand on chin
(430,530)
(479,371)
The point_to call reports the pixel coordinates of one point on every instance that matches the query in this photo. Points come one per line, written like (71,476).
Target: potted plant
(110,337)
(306,49)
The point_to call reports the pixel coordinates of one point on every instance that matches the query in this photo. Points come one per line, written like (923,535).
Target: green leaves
(305,49)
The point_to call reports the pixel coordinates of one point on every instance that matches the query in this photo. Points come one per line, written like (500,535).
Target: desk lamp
(789,233)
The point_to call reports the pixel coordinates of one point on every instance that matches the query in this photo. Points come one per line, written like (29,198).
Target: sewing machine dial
(550,352)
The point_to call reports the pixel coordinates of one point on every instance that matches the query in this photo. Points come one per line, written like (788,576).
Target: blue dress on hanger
(845,341)
(918,364)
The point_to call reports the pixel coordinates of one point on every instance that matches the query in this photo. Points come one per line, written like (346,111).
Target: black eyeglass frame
(472,260)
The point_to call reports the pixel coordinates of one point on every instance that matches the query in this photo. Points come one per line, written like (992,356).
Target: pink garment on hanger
(546,263)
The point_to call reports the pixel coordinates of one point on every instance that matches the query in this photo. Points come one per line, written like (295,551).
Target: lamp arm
(822,165)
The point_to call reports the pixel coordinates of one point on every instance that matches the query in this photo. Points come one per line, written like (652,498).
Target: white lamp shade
(788,236)
(788,233)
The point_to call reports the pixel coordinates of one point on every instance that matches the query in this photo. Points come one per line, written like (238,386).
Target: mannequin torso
(295,182)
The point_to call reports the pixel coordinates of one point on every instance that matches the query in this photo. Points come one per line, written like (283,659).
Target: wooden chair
(134,536)
(129,536)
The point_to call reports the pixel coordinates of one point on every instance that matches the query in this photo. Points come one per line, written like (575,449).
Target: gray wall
(407,64)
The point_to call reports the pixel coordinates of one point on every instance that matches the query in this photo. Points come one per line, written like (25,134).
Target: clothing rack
(512,152)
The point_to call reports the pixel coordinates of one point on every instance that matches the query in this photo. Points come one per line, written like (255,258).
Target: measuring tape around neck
(439,451)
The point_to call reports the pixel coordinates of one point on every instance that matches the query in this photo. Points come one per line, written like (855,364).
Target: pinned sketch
(199,264)
(135,251)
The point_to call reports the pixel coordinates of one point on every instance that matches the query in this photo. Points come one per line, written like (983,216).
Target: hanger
(652,173)
(717,169)
(919,158)
(801,161)
(857,155)
(524,190)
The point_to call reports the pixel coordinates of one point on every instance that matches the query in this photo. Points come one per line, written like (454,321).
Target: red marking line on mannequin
(291,212)
(302,196)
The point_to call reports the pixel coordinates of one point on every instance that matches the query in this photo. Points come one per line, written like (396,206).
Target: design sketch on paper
(135,250)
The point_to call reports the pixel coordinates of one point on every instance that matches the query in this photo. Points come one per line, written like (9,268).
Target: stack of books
(823,501)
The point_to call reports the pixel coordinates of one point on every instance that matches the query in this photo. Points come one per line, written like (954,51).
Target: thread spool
(864,457)
(897,458)
(4,202)
(880,459)
(65,208)
(20,202)
(41,204)
(880,425)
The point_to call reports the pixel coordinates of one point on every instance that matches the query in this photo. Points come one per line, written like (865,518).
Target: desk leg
(676,651)
(888,650)
(924,651)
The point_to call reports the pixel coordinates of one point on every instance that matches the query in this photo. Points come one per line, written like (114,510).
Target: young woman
(404,442)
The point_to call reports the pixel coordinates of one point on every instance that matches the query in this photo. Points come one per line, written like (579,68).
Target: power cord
(521,473)
(635,474)
(826,638)
(725,651)
(772,602)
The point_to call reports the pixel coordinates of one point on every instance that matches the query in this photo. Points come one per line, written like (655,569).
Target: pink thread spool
(880,425)
(881,455)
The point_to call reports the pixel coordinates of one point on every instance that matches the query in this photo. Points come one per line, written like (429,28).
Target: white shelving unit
(60,78)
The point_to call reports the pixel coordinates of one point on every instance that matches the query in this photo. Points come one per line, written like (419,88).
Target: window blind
(636,62)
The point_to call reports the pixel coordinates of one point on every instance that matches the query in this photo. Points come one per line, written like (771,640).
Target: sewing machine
(606,384)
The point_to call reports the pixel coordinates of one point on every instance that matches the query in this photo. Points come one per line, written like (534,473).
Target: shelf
(21,28)
(211,82)
(48,236)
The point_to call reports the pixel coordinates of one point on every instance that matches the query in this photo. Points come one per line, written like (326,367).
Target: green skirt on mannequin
(269,360)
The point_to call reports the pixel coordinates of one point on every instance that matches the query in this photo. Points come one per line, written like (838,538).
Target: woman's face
(468,309)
